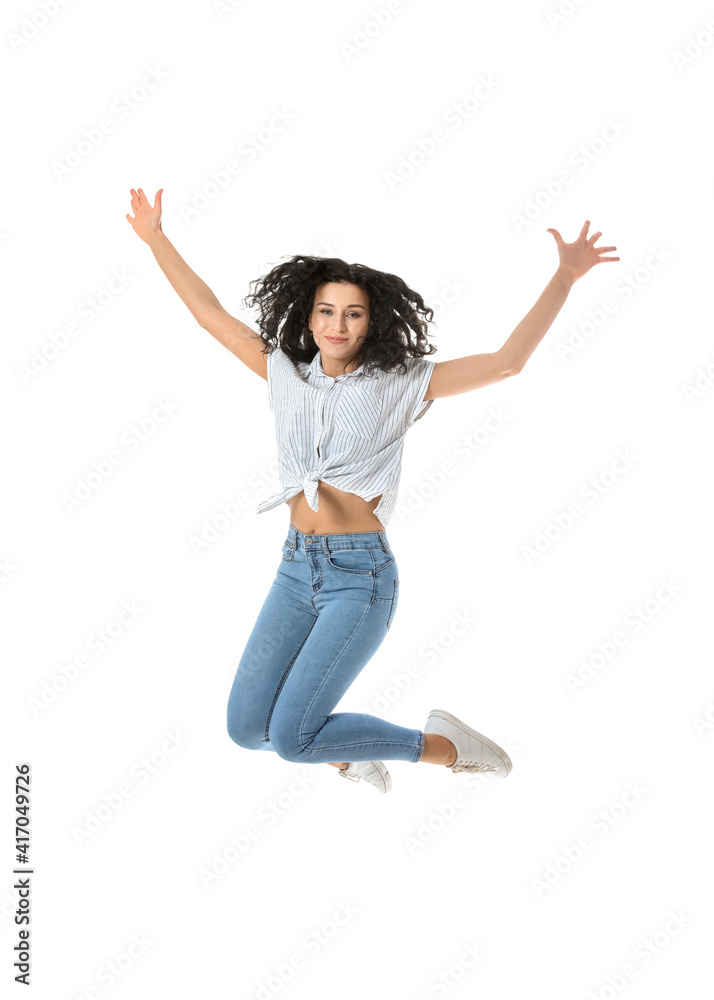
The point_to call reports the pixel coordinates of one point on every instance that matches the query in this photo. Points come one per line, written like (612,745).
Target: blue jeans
(328,610)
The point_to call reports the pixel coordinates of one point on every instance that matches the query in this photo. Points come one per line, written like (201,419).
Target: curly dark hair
(287,294)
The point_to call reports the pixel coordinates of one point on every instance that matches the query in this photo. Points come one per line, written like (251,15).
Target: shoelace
(466,764)
(347,773)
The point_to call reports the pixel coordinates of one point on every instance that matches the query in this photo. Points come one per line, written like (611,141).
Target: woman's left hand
(577,258)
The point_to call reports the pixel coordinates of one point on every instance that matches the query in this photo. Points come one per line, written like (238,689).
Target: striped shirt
(347,431)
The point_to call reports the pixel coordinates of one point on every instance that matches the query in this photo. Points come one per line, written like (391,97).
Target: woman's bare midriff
(339,512)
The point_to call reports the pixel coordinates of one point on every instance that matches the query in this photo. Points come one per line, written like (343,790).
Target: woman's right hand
(146,221)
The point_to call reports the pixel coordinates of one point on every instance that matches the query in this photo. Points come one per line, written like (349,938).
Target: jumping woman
(343,349)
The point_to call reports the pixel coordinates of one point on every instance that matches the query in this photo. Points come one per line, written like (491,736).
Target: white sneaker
(372,771)
(474,751)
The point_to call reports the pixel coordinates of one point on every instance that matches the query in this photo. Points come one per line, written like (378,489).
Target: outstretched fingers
(601,250)
(139,199)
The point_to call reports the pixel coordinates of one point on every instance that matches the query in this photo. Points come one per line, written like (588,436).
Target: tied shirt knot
(309,485)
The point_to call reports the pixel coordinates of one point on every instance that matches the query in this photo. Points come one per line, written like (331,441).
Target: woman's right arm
(203,305)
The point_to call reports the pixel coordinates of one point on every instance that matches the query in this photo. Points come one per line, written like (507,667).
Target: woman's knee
(286,744)
(244,731)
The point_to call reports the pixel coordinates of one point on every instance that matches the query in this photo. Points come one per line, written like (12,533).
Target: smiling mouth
(337,340)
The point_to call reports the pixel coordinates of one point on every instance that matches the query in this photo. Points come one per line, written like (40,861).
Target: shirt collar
(315,367)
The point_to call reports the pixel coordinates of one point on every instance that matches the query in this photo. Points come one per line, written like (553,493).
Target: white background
(444,863)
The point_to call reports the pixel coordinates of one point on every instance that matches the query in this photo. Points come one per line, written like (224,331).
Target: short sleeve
(416,382)
(275,364)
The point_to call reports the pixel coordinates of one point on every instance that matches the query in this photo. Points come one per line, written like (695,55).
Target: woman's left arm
(464,374)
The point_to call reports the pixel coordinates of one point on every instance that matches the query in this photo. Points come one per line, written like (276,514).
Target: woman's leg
(282,626)
(280,631)
(354,587)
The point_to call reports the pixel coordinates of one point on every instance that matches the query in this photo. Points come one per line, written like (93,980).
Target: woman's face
(339,321)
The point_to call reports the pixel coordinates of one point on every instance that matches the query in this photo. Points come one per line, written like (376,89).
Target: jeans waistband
(347,540)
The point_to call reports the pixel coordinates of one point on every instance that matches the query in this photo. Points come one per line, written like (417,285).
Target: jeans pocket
(351,561)
(288,552)
(383,565)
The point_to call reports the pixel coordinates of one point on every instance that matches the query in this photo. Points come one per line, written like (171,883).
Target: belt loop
(383,540)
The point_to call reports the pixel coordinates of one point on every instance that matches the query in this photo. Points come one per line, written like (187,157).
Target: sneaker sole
(385,774)
(439,713)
